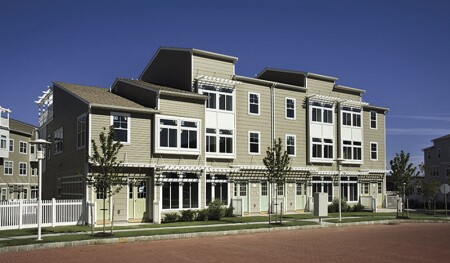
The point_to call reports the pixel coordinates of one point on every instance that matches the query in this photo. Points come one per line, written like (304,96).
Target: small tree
(402,172)
(429,188)
(277,162)
(104,177)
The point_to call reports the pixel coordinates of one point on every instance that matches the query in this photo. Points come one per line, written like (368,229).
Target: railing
(23,213)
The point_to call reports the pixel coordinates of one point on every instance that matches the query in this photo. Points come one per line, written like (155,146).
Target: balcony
(4,117)
(45,105)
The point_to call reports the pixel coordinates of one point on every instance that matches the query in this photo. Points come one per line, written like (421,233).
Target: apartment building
(437,159)
(193,131)
(18,163)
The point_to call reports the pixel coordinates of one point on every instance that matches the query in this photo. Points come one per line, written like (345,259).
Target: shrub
(229,211)
(334,206)
(171,217)
(188,215)
(202,215)
(216,210)
(358,208)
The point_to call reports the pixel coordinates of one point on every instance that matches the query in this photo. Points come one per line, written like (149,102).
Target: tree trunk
(104,211)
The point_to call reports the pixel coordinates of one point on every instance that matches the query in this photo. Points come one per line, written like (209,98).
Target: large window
(81,131)
(324,185)
(23,146)
(178,135)
(216,188)
(22,169)
(225,141)
(58,137)
(322,112)
(373,151)
(349,188)
(290,144)
(351,116)
(225,102)
(373,119)
(224,95)
(211,140)
(322,148)
(253,142)
(121,124)
(253,103)
(221,137)
(3,142)
(290,108)
(352,150)
(211,102)
(9,167)
(180,191)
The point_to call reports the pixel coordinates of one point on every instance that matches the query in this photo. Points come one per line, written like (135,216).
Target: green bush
(188,215)
(216,210)
(358,208)
(334,206)
(202,215)
(171,217)
(229,211)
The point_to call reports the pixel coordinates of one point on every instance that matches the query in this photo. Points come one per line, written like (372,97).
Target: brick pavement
(374,243)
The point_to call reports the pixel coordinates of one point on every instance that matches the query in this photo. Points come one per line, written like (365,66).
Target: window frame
(249,103)
(376,151)
(128,116)
(23,169)
(10,169)
(81,134)
(373,121)
(321,145)
(295,144)
(250,142)
(179,128)
(355,116)
(58,141)
(4,141)
(287,109)
(23,145)
(11,145)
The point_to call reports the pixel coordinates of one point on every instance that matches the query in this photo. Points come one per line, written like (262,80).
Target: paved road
(374,243)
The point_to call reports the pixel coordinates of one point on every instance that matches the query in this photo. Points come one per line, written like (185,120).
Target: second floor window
(168,130)
(351,116)
(177,135)
(3,142)
(23,146)
(225,102)
(373,151)
(121,124)
(22,169)
(373,120)
(352,150)
(58,140)
(226,141)
(211,140)
(290,108)
(11,145)
(253,103)
(253,142)
(8,168)
(322,148)
(322,112)
(81,131)
(290,145)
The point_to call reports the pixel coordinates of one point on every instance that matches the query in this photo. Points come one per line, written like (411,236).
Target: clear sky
(398,51)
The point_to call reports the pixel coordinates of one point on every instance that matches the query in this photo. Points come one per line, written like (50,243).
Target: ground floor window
(34,192)
(365,188)
(349,188)
(323,185)
(300,189)
(216,188)
(179,191)
(3,195)
(240,189)
(264,189)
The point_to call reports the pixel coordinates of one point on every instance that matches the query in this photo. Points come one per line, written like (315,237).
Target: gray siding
(212,67)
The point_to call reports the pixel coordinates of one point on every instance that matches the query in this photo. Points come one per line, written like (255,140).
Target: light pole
(404,200)
(40,143)
(339,166)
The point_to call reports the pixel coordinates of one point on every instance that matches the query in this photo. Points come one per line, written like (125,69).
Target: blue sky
(398,51)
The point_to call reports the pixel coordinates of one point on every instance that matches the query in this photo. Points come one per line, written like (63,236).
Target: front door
(137,197)
(300,197)
(264,197)
(241,191)
(102,207)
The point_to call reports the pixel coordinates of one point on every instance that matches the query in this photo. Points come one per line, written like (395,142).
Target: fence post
(20,213)
(53,212)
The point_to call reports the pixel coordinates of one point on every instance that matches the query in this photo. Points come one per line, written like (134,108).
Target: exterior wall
(374,136)
(322,87)
(436,164)
(211,67)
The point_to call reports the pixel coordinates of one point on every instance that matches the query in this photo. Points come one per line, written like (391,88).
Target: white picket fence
(23,213)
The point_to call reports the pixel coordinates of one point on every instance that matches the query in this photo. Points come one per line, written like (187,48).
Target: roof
(204,53)
(101,98)
(299,73)
(21,127)
(351,89)
(267,82)
(373,107)
(165,90)
(442,138)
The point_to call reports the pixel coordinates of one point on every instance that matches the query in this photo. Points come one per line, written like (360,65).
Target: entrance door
(241,191)
(137,197)
(300,197)
(264,197)
(100,208)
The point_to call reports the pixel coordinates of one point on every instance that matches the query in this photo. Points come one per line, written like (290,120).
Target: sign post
(445,189)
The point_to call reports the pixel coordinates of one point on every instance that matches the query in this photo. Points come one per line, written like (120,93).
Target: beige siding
(326,88)
(246,122)
(376,136)
(212,67)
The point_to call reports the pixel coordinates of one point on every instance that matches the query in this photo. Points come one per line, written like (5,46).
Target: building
(193,131)
(18,163)
(437,159)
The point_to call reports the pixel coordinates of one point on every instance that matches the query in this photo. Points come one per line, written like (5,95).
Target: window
(11,145)
(216,188)
(141,189)
(322,148)
(9,165)
(316,114)
(121,124)
(300,189)
(351,116)
(290,145)
(253,142)
(434,171)
(365,188)
(81,131)
(439,153)
(373,151)
(3,195)
(25,193)
(225,141)
(179,191)
(317,148)
(290,108)
(280,189)
(211,140)
(324,185)
(34,192)
(352,150)
(34,171)
(322,112)
(264,189)
(347,150)
(327,148)
(178,135)
(225,102)
(22,169)
(23,147)
(373,119)
(357,151)
(58,140)
(253,103)
(211,102)
(349,188)
(3,142)
(380,188)
(346,119)
(224,95)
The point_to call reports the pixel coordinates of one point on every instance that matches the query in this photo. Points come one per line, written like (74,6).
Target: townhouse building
(193,131)
(18,163)
(437,159)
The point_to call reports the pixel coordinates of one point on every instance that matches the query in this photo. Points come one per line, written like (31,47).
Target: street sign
(445,189)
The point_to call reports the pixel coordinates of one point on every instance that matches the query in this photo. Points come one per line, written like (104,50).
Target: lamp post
(404,187)
(339,166)
(40,143)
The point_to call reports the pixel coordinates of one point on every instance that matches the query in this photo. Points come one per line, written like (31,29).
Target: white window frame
(257,104)
(286,109)
(352,147)
(4,142)
(373,120)
(11,145)
(21,147)
(81,134)
(33,171)
(259,142)
(122,114)
(295,144)
(350,110)
(58,141)
(178,149)
(9,168)
(371,151)
(323,109)
(322,144)
(23,169)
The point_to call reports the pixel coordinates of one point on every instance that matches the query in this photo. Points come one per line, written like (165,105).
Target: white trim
(12,168)
(285,108)
(259,143)
(248,103)
(370,120)
(177,149)
(370,151)
(26,147)
(11,145)
(128,115)
(26,169)
(295,144)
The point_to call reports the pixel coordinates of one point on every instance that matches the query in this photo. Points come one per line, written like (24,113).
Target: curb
(122,240)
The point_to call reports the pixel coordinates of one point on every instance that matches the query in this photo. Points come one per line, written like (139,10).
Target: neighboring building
(437,159)
(194,131)
(18,163)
